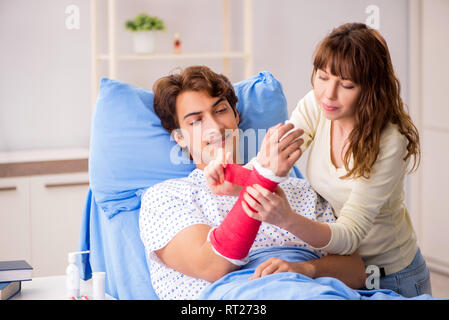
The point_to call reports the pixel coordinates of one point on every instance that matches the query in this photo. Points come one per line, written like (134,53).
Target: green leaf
(144,22)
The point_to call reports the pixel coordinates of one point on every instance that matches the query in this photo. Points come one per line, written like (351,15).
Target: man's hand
(275,265)
(214,173)
(349,269)
(279,153)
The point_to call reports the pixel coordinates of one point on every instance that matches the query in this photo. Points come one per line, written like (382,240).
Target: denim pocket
(415,279)
(423,286)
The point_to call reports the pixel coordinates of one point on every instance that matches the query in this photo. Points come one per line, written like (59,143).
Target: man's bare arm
(190,253)
(348,269)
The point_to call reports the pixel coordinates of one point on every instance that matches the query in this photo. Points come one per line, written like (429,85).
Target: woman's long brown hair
(358,53)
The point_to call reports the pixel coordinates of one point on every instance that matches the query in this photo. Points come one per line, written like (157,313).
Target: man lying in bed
(198,107)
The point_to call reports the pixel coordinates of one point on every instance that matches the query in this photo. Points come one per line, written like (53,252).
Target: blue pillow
(130,150)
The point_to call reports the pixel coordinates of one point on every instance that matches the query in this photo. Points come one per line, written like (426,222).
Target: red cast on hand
(234,237)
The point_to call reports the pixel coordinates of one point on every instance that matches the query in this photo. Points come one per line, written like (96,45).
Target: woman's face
(337,97)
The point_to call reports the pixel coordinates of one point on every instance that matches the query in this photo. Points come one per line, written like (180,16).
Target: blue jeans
(411,281)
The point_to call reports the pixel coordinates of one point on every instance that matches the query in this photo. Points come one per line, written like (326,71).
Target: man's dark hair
(195,78)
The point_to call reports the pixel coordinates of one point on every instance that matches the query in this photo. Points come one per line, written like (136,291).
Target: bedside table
(52,288)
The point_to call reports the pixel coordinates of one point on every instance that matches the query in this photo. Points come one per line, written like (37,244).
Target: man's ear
(179,138)
(182,142)
(237,118)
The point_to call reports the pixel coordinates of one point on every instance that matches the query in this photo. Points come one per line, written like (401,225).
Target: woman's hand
(279,152)
(275,265)
(273,208)
(214,173)
(270,207)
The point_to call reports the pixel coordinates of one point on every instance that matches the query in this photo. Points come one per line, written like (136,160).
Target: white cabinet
(15,224)
(56,206)
(40,219)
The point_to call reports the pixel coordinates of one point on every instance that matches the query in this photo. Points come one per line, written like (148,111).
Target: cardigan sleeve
(306,116)
(368,196)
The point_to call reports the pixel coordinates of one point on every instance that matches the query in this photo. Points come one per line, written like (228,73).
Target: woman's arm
(358,213)
(274,208)
(306,116)
(190,253)
(368,197)
(348,269)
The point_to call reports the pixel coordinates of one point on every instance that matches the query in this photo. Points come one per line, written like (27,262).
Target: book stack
(12,273)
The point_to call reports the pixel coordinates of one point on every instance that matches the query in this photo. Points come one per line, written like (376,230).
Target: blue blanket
(288,285)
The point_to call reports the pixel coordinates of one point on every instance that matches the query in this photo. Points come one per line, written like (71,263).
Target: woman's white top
(371,214)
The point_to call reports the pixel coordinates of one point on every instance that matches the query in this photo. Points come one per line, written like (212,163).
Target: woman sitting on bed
(191,235)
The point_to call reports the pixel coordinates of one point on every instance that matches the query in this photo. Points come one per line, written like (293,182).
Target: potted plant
(143,27)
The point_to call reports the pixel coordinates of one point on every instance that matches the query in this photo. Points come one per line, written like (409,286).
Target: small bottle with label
(177,44)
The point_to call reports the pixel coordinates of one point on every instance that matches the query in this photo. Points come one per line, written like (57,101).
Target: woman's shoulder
(392,142)
(307,114)
(391,136)
(309,103)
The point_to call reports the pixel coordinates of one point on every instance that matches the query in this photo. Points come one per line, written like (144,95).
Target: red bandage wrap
(235,235)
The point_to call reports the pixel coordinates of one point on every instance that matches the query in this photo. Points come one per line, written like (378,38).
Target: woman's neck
(344,126)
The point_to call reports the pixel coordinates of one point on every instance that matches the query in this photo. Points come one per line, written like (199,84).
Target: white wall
(45,79)
(289,30)
(430,185)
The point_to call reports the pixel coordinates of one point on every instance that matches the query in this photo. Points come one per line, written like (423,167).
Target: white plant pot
(144,41)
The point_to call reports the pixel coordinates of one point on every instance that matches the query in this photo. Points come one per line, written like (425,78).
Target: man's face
(207,124)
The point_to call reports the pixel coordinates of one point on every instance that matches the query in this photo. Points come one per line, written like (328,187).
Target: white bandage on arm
(267,173)
(237,262)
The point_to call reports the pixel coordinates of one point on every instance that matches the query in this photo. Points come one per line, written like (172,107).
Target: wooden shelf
(46,161)
(42,155)
(113,58)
